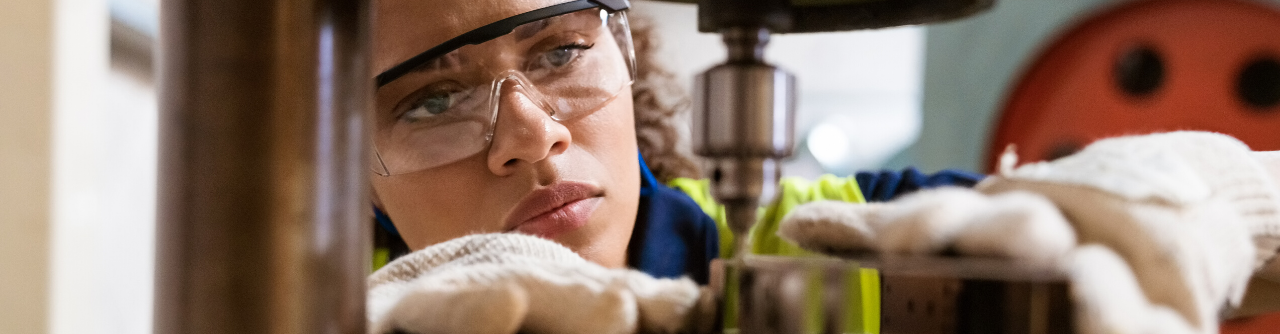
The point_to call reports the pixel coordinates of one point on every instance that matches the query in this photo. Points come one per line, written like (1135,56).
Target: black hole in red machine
(1258,84)
(1139,72)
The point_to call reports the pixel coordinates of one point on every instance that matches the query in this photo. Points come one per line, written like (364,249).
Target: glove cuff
(496,248)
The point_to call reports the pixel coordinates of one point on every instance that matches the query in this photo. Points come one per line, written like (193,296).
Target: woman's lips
(555,209)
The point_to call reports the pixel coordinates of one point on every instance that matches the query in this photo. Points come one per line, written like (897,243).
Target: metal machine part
(744,124)
(744,109)
(789,295)
(971,295)
(915,295)
(262,222)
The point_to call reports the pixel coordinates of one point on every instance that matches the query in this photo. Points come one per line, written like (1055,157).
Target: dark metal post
(262,222)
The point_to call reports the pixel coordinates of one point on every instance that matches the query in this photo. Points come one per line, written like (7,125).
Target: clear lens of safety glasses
(445,110)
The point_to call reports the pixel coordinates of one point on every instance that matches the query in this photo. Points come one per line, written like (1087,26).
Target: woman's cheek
(424,206)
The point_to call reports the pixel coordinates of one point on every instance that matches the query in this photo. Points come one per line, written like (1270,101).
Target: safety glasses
(569,60)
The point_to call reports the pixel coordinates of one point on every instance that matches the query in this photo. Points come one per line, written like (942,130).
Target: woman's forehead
(405,28)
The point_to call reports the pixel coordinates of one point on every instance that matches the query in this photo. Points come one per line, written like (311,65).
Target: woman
(523,116)
(467,147)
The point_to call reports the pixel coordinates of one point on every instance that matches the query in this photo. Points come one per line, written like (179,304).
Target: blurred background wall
(25,145)
(77,166)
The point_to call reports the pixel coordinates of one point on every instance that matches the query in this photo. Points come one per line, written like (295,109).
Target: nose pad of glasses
(514,82)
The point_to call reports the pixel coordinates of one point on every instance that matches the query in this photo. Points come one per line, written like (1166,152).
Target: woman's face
(576,182)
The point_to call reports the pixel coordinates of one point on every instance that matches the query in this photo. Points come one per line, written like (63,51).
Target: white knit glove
(504,283)
(1159,233)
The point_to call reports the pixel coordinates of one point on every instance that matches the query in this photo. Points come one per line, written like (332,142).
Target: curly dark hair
(661,110)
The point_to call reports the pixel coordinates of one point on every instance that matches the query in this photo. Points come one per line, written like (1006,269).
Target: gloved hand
(504,283)
(1159,233)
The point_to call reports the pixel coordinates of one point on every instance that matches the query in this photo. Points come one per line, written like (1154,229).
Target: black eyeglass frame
(495,30)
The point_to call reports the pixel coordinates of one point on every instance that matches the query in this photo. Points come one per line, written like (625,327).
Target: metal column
(262,222)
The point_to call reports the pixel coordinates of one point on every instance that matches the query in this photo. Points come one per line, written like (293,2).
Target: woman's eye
(563,55)
(431,105)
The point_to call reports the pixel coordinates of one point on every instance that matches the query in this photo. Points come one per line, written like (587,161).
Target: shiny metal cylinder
(744,110)
(262,221)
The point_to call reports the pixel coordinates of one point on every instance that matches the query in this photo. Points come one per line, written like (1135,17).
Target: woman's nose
(524,132)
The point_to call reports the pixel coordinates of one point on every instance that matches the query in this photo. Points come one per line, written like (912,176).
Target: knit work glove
(504,283)
(1159,233)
